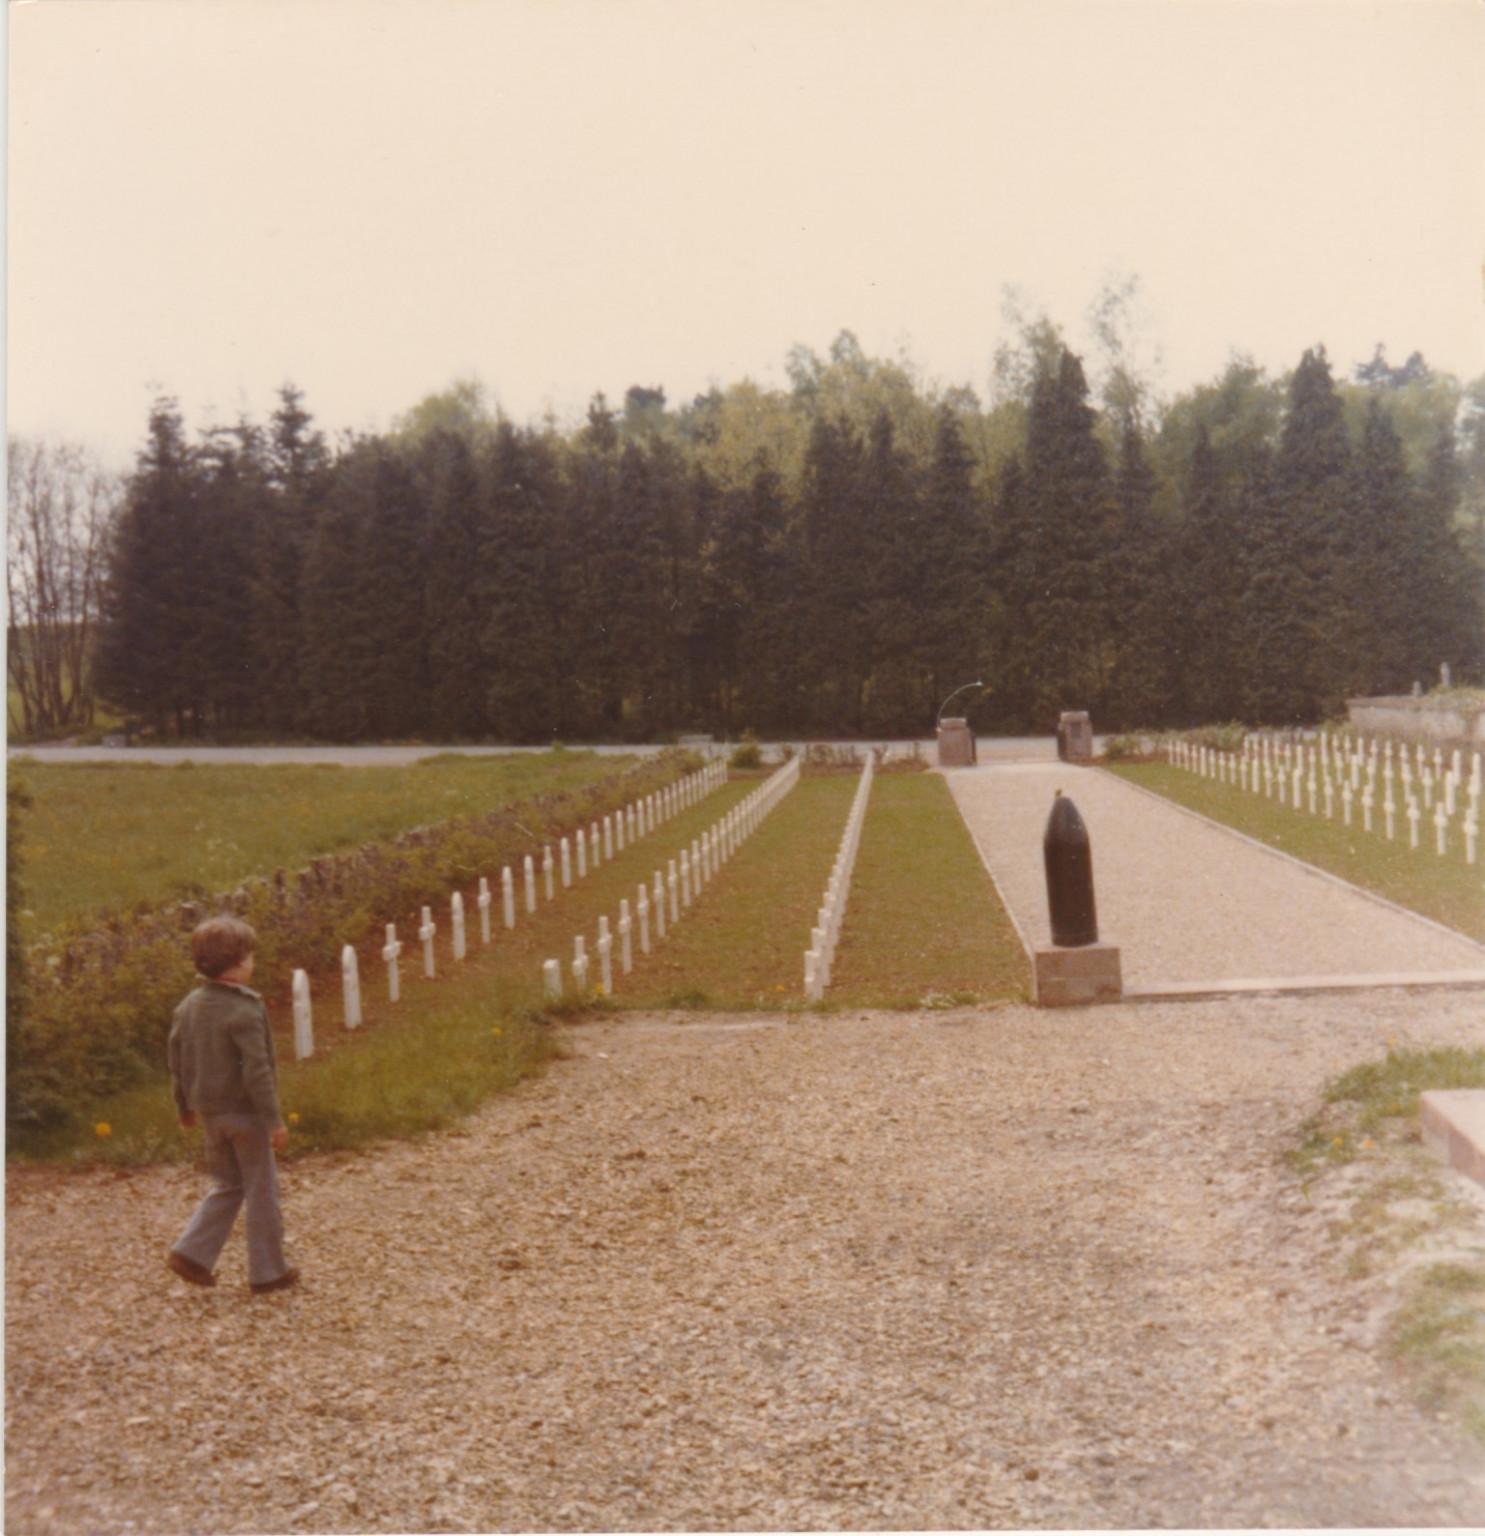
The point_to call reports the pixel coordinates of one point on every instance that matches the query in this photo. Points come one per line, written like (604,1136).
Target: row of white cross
(676,889)
(819,957)
(1311,774)
(592,845)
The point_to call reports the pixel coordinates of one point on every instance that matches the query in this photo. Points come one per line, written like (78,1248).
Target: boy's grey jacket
(221,1054)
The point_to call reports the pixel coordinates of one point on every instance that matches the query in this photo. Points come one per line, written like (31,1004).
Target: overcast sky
(209,197)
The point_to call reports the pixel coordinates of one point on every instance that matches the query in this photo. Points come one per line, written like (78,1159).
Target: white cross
(626,953)
(529,870)
(508,896)
(425,933)
(1440,822)
(456,922)
(546,871)
(659,905)
(642,908)
(390,954)
(551,976)
(582,854)
(483,903)
(1413,815)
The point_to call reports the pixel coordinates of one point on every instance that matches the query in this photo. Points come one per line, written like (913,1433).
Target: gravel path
(983,1268)
(1186,901)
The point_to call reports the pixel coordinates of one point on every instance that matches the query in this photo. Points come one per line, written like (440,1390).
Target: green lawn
(114,836)
(444,1047)
(924,921)
(742,944)
(923,924)
(1446,889)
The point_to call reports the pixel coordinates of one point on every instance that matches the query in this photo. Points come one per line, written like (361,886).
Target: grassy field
(443,1048)
(114,836)
(1445,889)
(924,922)
(742,945)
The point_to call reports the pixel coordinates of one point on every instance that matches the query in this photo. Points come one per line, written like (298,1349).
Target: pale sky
(372,197)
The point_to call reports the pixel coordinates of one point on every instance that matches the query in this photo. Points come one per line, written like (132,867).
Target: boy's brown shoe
(189,1269)
(284,1281)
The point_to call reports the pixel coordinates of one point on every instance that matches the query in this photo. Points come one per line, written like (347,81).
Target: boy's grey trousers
(239,1157)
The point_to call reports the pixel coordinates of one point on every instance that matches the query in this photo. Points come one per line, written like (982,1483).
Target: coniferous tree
(448,484)
(837,585)
(1207,594)
(1067,487)
(338,642)
(521,565)
(1269,647)
(1141,667)
(146,639)
(390,599)
(1010,579)
(1314,490)
(952,541)
(297,470)
(219,606)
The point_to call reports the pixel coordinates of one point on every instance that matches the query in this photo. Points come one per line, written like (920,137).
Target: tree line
(830,558)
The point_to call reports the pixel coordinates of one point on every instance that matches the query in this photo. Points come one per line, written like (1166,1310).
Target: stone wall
(1424,719)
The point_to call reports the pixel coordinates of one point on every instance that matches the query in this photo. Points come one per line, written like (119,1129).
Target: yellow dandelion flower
(1368,1142)
(497,1030)
(293,1117)
(1336,1141)
(103,1128)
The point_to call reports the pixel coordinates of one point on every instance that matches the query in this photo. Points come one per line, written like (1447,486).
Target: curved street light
(938,719)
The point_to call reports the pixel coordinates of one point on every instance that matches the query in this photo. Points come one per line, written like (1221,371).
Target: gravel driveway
(1187,901)
(969,1269)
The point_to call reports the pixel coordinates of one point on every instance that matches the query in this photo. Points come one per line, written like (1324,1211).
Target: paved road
(1188,902)
(994,748)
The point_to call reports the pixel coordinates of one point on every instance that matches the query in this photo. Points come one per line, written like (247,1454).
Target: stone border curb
(1312,869)
(1452,1121)
(1281,986)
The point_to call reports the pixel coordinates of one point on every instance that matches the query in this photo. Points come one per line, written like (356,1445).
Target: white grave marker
(483,903)
(508,896)
(350,986)
(456,923)
(551,976)
(425,933)
(390,954)
(529,869)
(304,1025)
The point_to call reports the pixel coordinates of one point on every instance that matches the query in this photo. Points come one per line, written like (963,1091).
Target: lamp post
(942,707)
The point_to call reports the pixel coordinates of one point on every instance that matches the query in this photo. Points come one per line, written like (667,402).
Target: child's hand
(280,1138)
(188,1120)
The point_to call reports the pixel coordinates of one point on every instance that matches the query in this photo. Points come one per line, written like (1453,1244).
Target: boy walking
(223,1073)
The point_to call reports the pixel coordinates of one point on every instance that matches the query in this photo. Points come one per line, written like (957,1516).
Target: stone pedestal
(1066,977)
(1075,736)
(956,744)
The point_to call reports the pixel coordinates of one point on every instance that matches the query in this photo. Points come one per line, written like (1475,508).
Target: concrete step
(1454,1126)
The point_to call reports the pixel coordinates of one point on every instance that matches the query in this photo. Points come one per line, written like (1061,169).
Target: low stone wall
(1422,719)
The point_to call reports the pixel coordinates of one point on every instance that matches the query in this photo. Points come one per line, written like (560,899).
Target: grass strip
(1446,889)
(156,833)
(1360,1153)
(419,1064)
(924,926)
(742,945)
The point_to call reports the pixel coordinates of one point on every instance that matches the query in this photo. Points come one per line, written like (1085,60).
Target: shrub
(747,754)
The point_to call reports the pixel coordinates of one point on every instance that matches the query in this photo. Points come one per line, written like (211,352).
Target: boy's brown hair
(220,943)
